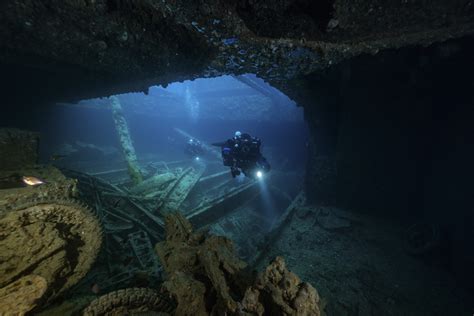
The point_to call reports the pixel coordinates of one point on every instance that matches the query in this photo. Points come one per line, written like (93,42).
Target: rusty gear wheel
(131,301)
(57,239)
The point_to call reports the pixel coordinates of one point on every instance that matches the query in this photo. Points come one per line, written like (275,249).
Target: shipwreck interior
(365,110)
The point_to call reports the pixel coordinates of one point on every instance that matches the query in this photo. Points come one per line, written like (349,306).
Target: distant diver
(194,148)
(242,154)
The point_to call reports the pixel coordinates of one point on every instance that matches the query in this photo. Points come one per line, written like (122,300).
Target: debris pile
(280,292)
(206,278)
(58,236)
(206,264)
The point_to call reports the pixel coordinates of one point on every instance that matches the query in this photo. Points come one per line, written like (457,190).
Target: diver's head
(237,134)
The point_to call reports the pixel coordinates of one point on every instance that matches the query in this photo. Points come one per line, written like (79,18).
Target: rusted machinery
(46,234)
(132,216)
(126,217)
(205,277)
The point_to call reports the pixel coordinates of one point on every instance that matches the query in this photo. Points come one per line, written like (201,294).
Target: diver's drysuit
(242,154)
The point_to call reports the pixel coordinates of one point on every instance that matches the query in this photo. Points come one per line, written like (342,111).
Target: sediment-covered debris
(132,220)
(44,229)
(206,264)
(21,296)
(59,240)
(206,278)
(278,291)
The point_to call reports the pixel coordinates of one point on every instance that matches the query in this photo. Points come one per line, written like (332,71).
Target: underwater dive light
(197,158)
(259,174)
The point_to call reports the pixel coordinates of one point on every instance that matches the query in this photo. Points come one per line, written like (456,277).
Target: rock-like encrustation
(131,301)
(21,296)
(59,240)
(288,294)
(206,278)
(207,264)
(44,229)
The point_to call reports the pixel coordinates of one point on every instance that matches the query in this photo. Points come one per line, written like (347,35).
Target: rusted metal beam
(125,139)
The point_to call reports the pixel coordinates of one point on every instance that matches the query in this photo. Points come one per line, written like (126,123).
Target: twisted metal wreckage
(70,250)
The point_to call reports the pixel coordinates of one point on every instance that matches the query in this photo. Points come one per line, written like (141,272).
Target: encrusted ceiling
(76,49)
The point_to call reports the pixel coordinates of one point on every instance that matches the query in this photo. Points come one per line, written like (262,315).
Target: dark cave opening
(390,136)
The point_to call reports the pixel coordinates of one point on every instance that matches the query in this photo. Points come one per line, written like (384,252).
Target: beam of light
(192,104)
(269,210)
(240,178)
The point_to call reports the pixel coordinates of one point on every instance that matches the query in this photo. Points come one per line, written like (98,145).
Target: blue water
(152,128)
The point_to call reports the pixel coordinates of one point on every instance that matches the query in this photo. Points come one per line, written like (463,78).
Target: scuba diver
(242,154)
(194,148)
